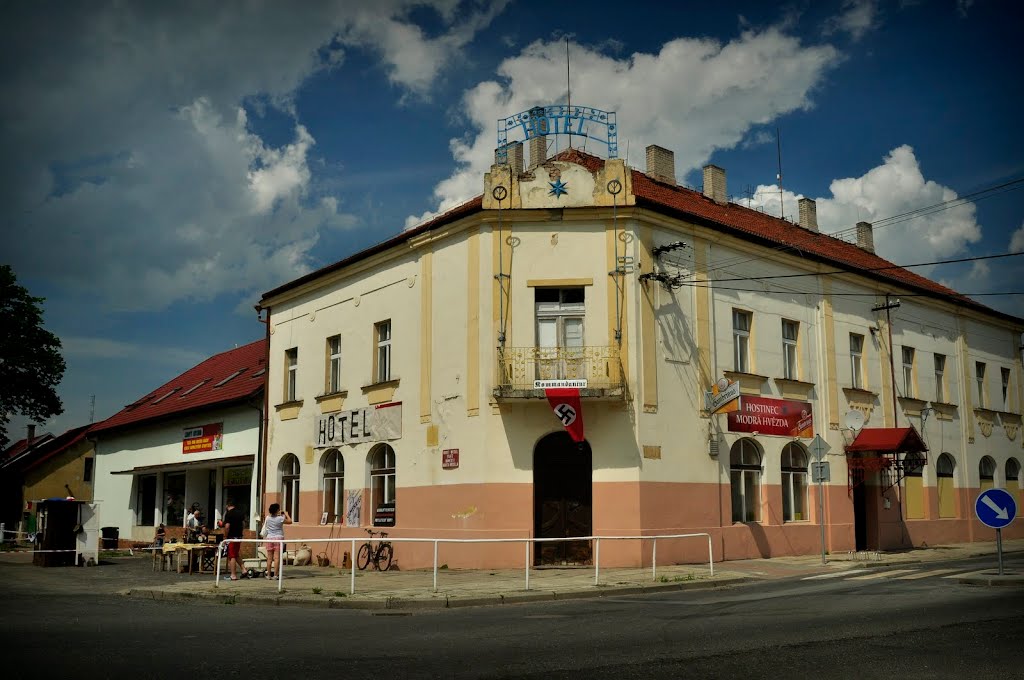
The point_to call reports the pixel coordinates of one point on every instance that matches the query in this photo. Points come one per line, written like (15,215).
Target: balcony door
(560,313)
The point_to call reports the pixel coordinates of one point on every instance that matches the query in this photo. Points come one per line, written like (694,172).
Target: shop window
(745,480)
(333,486)
(794,483)
(289,472)
(174,499)
(945,466)
(145,501)
(913,487)
(382,485)
(987,473)
(237,488)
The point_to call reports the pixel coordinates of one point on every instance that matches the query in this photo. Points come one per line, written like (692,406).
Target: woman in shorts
(275,522)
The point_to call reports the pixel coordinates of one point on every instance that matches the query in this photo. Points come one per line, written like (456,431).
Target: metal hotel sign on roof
(576,121)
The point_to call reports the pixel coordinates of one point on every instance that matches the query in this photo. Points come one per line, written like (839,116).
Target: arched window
(1013,482)
(913,485)
(382,485)
(794,483)
(288,471)
(944,469)
(987,472)
(332,469)
(745,479)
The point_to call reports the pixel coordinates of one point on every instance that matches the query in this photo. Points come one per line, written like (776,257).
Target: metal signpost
(996,508)
(819,448)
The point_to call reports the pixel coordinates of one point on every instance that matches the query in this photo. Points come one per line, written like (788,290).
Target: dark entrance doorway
(562,495)
(860,515)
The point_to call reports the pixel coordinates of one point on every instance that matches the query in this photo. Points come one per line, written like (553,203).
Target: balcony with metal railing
(597,371)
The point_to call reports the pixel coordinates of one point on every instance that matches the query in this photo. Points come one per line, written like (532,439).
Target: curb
(439,602)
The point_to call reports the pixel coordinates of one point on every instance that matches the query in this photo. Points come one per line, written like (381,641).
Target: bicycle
(380,556)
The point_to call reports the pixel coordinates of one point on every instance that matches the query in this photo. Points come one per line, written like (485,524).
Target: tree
(31,365)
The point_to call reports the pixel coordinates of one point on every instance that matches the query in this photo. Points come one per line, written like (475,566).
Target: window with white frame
(790,367)
(979,377)
(291,365)
(382,358)
(745,480)
(857,360)
(334,364)
(1005,374)
(908,372)
(741,322)
(289,475)
(333,478)
(382,485)
(559,315)
(794,483)
(940,378)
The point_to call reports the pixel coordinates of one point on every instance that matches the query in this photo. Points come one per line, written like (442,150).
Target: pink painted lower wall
(636,509)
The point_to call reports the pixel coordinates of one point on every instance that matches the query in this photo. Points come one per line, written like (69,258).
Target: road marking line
(835,575)
(926,574)
(964,573)
(882,574)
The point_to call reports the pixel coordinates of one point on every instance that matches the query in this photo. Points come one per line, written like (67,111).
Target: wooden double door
(562,495)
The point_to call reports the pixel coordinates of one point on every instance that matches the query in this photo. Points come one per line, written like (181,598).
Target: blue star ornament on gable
(558,188)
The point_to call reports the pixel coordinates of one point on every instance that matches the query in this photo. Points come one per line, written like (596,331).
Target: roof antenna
(778,143)
(568,87)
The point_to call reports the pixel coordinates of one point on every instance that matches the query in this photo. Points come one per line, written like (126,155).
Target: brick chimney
(714,184)
(808,214)
(514,154)
(538,151)
(661,164)
(865,237)
(30,433)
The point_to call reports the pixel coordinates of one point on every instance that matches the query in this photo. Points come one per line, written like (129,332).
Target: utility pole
(895,304)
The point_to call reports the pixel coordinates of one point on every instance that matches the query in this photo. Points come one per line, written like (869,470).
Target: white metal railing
(436,541)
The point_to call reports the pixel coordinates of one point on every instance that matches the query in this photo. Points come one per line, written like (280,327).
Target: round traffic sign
(995,508)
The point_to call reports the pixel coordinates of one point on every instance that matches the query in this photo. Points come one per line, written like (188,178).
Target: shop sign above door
(773,416)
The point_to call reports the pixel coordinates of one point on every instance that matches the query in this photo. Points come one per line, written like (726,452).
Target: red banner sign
(773,416)
(565,402)
(203,438)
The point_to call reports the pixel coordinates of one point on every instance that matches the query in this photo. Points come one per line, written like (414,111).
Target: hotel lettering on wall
(382,422)
(773,416)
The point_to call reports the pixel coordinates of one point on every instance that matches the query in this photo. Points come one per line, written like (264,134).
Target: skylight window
(158,400)
(228,379)
(194,388)
(258,373)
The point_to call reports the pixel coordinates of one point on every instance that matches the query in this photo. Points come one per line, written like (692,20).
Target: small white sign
(545,384)
(713,402)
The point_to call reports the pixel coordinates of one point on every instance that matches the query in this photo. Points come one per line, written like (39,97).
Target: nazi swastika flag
(565,402)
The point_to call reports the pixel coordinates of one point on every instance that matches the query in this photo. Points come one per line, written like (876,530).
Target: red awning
(888,440)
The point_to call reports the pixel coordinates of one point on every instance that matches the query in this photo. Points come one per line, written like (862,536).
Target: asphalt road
(873,624)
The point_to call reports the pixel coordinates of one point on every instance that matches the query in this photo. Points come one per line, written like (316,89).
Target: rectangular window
(334,364)
(790,370)
(908,372)
(291,363)
(857,360)
(87,473)
(559,313)
(940,378)
(979,375)
(145,501)
(382,358)
(741,340)
(1006,388)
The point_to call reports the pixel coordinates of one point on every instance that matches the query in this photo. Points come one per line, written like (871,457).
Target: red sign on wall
(449,459)
(203,438)
(773,416)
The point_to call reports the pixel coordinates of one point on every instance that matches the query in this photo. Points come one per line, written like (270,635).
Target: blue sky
(164,166)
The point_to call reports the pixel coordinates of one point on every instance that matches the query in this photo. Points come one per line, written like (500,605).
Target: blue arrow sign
(995,508)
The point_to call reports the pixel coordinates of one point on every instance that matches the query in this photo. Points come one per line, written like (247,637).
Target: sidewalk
(406,590)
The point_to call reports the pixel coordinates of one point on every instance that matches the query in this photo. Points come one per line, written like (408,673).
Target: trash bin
(110,536)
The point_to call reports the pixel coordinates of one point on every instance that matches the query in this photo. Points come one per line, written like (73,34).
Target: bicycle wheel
(384,553)
(364,556)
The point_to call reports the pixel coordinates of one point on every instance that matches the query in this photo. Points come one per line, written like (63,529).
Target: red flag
(565,402)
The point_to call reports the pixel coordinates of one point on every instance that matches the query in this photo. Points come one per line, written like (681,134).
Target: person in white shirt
(275,522)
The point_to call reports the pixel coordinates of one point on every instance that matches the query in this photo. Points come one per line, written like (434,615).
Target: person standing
(275,522)
(234,524)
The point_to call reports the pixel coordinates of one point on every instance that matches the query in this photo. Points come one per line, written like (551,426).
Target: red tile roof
(57,445)
(888,440)
(19,447)
(685,203)
(198,388)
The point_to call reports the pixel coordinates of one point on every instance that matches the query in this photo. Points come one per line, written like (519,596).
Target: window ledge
(794,382)
(944,405)
(376,386)
(330,395)
(288,404)
(859,392)
(750,383)
(982,412)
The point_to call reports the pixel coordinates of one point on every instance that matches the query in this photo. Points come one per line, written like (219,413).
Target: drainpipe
(261,453)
